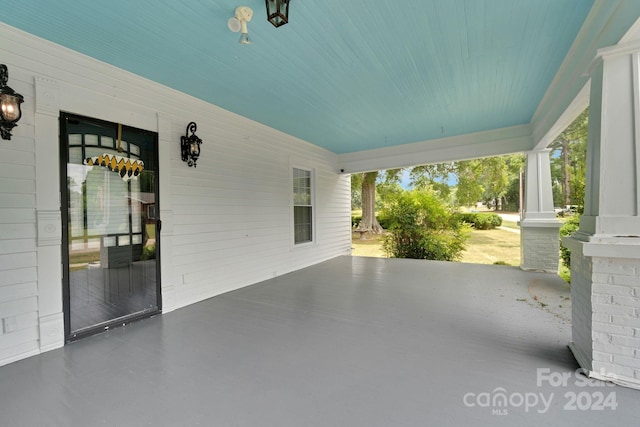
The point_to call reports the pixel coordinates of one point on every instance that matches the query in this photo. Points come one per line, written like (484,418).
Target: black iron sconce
(278,12)
(190,145)
(10,102)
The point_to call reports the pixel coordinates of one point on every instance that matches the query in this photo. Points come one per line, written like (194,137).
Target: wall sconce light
(190,145)
(243,14)
(278,12)
(10,101)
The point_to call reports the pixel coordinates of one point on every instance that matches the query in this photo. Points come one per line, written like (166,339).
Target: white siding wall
(18,258)
(226,223)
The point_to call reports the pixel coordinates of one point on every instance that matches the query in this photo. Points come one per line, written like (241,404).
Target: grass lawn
(483,247)
(370,246)
(510,224)
(493,246)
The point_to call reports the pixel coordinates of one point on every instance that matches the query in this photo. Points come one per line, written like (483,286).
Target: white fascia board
(568,94)
(577,106)
(496,142)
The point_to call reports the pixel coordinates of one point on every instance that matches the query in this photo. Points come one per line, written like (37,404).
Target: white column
(605,252)
(539,227)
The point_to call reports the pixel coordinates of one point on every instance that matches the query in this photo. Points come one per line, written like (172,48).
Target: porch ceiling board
(347,76)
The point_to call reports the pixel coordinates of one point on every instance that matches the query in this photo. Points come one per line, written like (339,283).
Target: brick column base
(605,294)
(540,245)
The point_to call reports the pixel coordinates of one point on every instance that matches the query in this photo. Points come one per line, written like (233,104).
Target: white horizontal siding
(17,216)
(227,223)
(18,258)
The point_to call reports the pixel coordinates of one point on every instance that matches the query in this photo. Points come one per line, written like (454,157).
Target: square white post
(605,252)
(539,227)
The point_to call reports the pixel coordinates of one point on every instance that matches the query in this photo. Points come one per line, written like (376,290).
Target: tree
(356,191)
(369,222)
(494,177)
(469,190)
(435,177)
(421,227)
(491,179)
(388,184)
(568,162)
(501,178)
(568,165)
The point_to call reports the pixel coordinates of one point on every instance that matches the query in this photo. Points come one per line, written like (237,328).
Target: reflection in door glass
(111,239)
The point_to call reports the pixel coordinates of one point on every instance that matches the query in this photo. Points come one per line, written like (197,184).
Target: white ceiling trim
(495,142)
(568,94)
(580,102)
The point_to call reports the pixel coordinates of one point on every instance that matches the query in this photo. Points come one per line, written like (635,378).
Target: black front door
(111,238)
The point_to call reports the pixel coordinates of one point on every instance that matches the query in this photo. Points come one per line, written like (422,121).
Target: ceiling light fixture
(278,12)
(10,102)
(243,14)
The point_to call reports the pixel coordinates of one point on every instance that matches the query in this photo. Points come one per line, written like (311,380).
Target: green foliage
(568,162)
(421,227)
(469,189)
(384,221)
(495,177)
(567,229)
(480,221)
(564,273)
(512,196)
(390,176)
(356,191)
(148,252)
(494,180)
(384,191)
(435,177)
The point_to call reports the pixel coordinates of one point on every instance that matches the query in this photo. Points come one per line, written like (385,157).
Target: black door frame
(64,200)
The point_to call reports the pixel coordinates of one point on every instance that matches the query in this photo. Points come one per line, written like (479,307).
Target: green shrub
(480,221)
(383,221)
(148,252)
(420,227)
(567,229)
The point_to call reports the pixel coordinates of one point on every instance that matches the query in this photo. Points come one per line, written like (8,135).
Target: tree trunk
(369,223)
(566,185)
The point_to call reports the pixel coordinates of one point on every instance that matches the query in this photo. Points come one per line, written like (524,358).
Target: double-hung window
(302,206)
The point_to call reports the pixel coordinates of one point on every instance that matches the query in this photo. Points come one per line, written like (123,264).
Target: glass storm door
(110,183)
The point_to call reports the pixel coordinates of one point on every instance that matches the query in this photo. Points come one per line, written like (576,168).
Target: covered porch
(318,337)
(348,342)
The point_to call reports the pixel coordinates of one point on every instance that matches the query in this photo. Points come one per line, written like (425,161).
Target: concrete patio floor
(349,342)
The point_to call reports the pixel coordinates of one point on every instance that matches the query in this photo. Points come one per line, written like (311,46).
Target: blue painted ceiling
(347,75)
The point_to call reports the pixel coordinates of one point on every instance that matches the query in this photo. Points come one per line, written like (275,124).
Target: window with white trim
(302,206)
